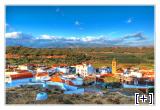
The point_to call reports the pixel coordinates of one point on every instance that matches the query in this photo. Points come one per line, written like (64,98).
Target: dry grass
(27,95)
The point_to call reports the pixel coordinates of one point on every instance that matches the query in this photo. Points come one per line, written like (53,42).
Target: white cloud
(47,37)
(135,36)
(93,38)
(129,20)
(18,35)
(82,39)
(77,23)
(60,12)
(129,39)
(13,35)
(88,39)
(73,38)
(9,28)
(57,9)
(7,24)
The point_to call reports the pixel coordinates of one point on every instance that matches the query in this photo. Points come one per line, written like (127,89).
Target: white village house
(64,70)
(132,73)
(42,76)
(23,67)
(84,69)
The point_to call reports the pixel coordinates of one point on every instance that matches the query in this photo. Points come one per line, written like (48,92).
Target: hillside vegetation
(97,56)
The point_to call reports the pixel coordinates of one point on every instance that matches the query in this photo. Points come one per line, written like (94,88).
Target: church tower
(114,65)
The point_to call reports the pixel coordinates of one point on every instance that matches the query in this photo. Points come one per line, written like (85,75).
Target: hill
(97,56)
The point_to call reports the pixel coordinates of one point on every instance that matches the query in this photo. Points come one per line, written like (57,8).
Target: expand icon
(144,99)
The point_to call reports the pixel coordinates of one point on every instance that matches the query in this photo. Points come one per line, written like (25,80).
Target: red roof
(41,74)
(62,64)
(120,71)
(148,73)
(107,75)
(54,65)
(22,75)
(22,71)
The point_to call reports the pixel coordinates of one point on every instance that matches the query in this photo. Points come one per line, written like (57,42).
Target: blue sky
(89,24)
